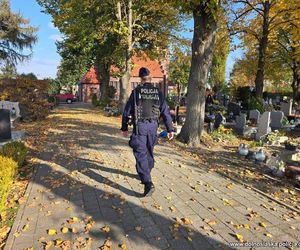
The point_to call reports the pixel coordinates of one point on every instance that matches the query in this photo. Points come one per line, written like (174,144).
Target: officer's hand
(125,133)
(170,135)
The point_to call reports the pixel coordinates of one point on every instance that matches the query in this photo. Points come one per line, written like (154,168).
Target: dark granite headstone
(234,108)
(5,127)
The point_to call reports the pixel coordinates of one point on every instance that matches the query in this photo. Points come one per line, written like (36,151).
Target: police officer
(146,105)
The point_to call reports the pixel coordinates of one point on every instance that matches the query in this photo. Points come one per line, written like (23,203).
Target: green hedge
(8,169)
(15,150)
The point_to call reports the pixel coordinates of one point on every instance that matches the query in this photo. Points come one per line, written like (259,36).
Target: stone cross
(276,119)
(263,125)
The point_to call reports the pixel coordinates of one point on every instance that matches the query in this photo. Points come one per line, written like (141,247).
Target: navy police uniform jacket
(143,139)
(163,108)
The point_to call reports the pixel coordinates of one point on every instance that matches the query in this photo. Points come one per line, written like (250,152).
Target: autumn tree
(15,35)
(257,21)
(117,29)
(8,70)
(205,15)
(217,73)
(180,64)
(286,54)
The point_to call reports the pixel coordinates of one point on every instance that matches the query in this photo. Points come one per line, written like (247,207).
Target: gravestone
(5,127)
(277,100)
(254,116)
(13,107)
(233,108)
(240,124)
(276,120)
(263,125)
(286,107)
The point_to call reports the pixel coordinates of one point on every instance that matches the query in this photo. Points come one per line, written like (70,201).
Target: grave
(240,124)
(5,126)
(276,120)
(13,107)
(254,116)
(234,109)
(263,126)
(286,107)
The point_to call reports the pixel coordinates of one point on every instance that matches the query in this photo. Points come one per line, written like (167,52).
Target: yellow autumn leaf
(58,242)
(246,226)
(105,229)
(226,202)
(25,227)
(52,232)
(186,221)
(268,235)
(74,230)
(123,246)
(189,238)
(74,219)
(239,237)
(262,224)
(88,227)
(173,209)
(16,234)
(64,230)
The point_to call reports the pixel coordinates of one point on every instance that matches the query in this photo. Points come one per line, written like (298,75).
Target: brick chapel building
(89,84)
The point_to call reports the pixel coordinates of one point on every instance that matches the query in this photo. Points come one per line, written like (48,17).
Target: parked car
(66,97)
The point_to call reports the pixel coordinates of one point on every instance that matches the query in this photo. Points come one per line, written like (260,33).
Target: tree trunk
(202,47)
(262,48)
(295,84)
(124,81)
(105,77)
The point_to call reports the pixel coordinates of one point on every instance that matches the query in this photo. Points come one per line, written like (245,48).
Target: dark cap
(144,72)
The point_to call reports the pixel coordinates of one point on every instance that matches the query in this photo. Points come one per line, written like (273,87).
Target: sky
(45,59)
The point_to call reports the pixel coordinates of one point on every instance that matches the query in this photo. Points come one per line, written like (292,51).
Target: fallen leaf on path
(239,237)
(186,221)
(268,235)
(173,209)
(105,229)
(123,246)
(138,228)
(262,224)
(213,209)
(25,228)
(107,245)
(64,230)
(226,202)
(58,242)
(51,232)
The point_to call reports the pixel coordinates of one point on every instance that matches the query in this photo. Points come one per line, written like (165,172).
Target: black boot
(149,189)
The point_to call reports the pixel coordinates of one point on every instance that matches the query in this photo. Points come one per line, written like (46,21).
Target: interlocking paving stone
(105,170)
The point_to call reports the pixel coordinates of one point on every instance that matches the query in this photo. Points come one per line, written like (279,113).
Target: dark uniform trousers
(143,139)
(143,144)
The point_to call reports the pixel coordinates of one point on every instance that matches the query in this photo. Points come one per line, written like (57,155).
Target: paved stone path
(87,171)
